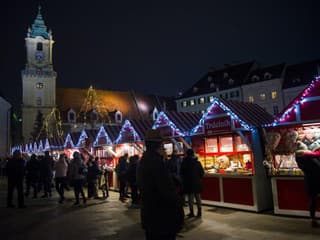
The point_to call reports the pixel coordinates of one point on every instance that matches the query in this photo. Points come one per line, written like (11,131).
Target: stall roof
(247,114)
(112,131)
(302,108)
(181,121)
(141,126)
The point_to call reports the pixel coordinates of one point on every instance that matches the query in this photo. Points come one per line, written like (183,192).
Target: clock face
(39,55)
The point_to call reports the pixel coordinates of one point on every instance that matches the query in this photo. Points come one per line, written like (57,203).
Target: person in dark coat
(308,161)
(93,176)
(32,175)
(132,180)
(191,174)
(46,169)
(161,208)
(121,170)
(15,173)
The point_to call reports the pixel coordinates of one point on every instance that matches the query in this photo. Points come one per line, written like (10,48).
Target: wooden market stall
(104,148)
(227,142)
(175,128)
(69,146)
(299,121)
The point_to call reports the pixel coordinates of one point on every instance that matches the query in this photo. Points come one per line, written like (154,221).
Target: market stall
(85,142)
(299,121)
(69,146)
(175,127)
(130,139)
(227,142)
(104,149)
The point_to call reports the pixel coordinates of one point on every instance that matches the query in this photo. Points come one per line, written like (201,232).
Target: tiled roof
(250,113)
(184,121)
(141,126)
(274,71)
(112,131)
(301,74)
(230,76)
(132,105)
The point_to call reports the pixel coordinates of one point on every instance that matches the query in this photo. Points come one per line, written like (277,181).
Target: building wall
(195,104)
(5,108)
(290,93)
(267,94)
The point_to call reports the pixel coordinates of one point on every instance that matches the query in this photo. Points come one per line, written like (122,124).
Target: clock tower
(38,76)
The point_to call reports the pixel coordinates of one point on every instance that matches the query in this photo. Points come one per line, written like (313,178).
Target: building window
(201,100)
(39,46)
(225,75)
(226,95)
(184,103)
(255,78)
(262,96)
(195,89)
(251,99)
(39,85)
(275,110)
(210,98)
(192,102)
(38,101)
(212,85)
(274,94)
(118,115)
(236,93)
(209,78)
(94,116)
(202,111)
(71,116)
(231,81)
(267,75)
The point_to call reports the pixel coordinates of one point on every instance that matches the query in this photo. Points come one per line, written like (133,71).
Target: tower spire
(38,27)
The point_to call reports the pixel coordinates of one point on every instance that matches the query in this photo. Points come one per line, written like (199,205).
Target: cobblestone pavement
(111,219)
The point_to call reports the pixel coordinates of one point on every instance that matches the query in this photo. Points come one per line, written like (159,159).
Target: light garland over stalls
(68,140)
(228,111)
(102,134)
(295,105)
(35,147)
(48,126)
(40,147)
(128,126)
(163,117)
(82,138)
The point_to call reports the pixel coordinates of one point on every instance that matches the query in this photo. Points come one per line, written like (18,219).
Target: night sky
(160,47)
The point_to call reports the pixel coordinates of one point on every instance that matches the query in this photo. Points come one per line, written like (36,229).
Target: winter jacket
(191,174)
(161,210)
(61,168)
(75,173)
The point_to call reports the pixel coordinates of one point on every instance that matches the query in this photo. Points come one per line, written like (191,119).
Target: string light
(295,104)
(68,141)
(163,120)
(48,127)
(102,134)
(216,102)
(127,127)
(82,139)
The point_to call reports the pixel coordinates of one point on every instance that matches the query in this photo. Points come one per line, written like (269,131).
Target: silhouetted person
(191,173)
(104,184)
(309,163)
(77,175)
(93,176)
(33,175)
(15,174)
(132,179)
(46,169)
(161,209)
(121,170)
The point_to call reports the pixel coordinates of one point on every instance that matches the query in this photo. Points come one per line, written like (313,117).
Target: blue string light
(102,134)
(162,117)
(127,126)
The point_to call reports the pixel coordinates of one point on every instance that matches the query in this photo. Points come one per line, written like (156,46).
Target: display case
(226,154)
(280,144)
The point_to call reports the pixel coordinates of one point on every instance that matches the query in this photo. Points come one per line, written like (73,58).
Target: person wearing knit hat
(308,162)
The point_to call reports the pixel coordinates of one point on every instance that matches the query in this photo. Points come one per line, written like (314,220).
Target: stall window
(240,144)
(211,145)
(226,144)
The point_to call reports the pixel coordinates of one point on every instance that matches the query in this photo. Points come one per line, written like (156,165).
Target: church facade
(73,109)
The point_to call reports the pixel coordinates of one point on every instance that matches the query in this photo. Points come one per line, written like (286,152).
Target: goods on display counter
(227,143)
(298,123)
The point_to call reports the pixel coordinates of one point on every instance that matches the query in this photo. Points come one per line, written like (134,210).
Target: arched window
(38,101)
(71,116)
(118,117)
(39,46)
(94,116)
(155,114)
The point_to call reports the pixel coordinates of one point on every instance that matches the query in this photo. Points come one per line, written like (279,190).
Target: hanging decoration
(52,124)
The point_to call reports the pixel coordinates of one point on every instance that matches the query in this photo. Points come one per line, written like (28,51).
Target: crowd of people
(156,183)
